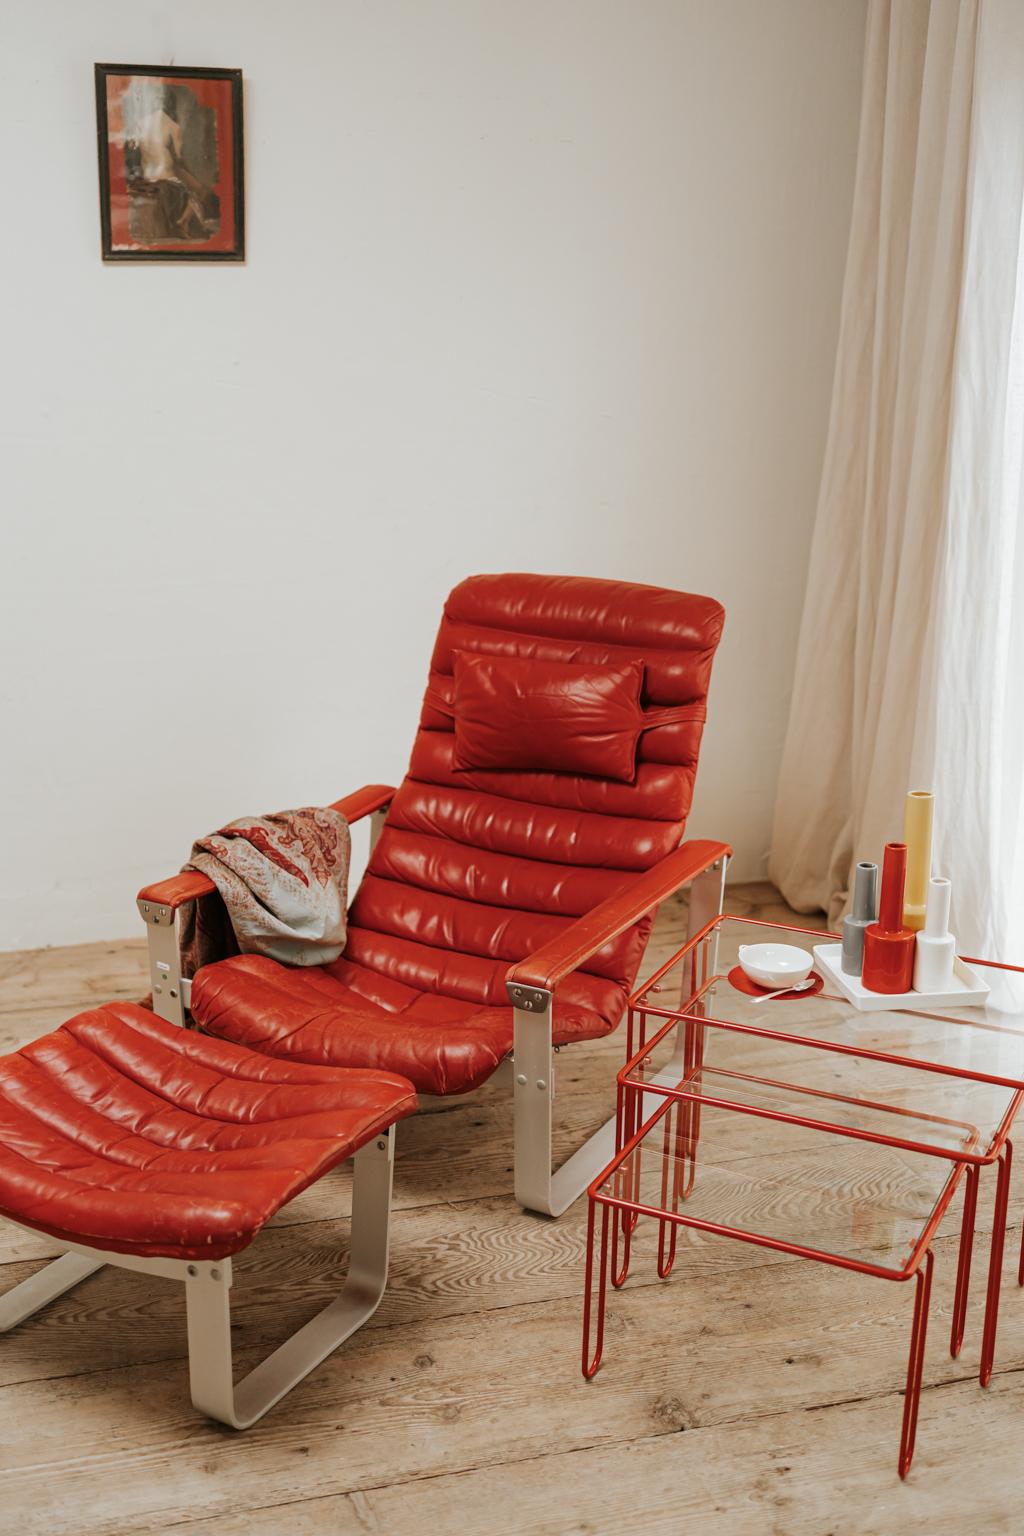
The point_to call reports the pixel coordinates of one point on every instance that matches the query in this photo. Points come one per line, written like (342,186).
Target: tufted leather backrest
(476,869)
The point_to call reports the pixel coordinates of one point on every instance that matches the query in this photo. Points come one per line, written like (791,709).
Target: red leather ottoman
(137,1143)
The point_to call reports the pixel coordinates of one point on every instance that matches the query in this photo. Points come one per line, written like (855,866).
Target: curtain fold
(910,645)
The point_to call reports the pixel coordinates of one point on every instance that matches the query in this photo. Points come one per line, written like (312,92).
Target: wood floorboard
(438,1396)
(798,1473)
(748,1394)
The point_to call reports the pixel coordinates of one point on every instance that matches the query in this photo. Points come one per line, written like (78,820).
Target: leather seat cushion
(122,1132)
(345,1014)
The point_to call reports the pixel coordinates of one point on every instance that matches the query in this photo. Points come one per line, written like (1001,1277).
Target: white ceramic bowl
(775,965)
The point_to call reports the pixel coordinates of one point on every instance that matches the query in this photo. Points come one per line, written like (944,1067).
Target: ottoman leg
(207,1293)
(45,1286)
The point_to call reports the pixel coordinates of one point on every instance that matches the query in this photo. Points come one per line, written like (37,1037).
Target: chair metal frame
(531,986)
(208,1300)
(537,1187)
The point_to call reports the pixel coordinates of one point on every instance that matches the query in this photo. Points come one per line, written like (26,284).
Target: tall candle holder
(933,962)
(917,834)
(888,945)
(865,887)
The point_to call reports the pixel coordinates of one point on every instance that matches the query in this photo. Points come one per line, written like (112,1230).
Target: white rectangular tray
(967,986)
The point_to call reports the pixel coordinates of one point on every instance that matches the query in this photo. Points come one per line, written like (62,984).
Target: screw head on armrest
(531,999)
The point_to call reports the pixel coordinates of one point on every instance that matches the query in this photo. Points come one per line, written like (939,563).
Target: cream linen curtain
(910,665)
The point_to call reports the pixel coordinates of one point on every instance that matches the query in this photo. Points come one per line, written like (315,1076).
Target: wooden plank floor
(748,1394)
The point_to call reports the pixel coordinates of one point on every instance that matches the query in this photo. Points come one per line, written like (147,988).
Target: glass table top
(985,1040)
(865,1204)
(958,1117)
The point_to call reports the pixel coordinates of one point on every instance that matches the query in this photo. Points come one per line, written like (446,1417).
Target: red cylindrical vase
(888,946)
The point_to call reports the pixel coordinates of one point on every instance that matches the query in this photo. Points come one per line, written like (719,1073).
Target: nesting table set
(802,1124)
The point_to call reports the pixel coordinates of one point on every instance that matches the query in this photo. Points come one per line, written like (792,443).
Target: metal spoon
(800,986)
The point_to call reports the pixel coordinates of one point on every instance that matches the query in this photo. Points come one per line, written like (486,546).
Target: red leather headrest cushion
(547,716)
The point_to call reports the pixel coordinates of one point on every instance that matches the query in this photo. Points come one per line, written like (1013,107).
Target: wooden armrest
(190,885)
(550,964)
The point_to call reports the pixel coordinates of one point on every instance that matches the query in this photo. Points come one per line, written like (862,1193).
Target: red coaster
(742,982)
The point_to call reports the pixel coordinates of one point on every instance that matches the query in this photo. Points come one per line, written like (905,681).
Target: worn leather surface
(178,890)
(444,1044)
(547,966)
(123,1132)
(477,869)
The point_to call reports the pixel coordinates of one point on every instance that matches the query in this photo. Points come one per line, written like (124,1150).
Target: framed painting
(171,169)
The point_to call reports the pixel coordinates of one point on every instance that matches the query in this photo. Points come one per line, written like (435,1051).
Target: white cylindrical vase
(935,951)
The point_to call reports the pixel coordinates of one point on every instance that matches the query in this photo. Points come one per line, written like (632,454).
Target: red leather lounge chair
(515,873)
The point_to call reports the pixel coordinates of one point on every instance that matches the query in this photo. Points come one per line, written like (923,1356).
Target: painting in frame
(171,165)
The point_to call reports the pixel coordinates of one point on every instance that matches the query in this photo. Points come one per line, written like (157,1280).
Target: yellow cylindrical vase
(917,834)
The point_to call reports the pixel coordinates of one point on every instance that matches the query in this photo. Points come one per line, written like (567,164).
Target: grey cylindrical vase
(865,910)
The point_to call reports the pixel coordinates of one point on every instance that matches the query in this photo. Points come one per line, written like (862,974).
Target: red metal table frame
(999,1151)
(621,1204)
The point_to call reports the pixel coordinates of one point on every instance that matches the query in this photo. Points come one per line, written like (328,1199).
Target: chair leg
(707,895)
(207,1291)
(537,1187)
(45,1286)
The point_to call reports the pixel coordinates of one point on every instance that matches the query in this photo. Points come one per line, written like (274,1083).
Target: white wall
(532,284)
